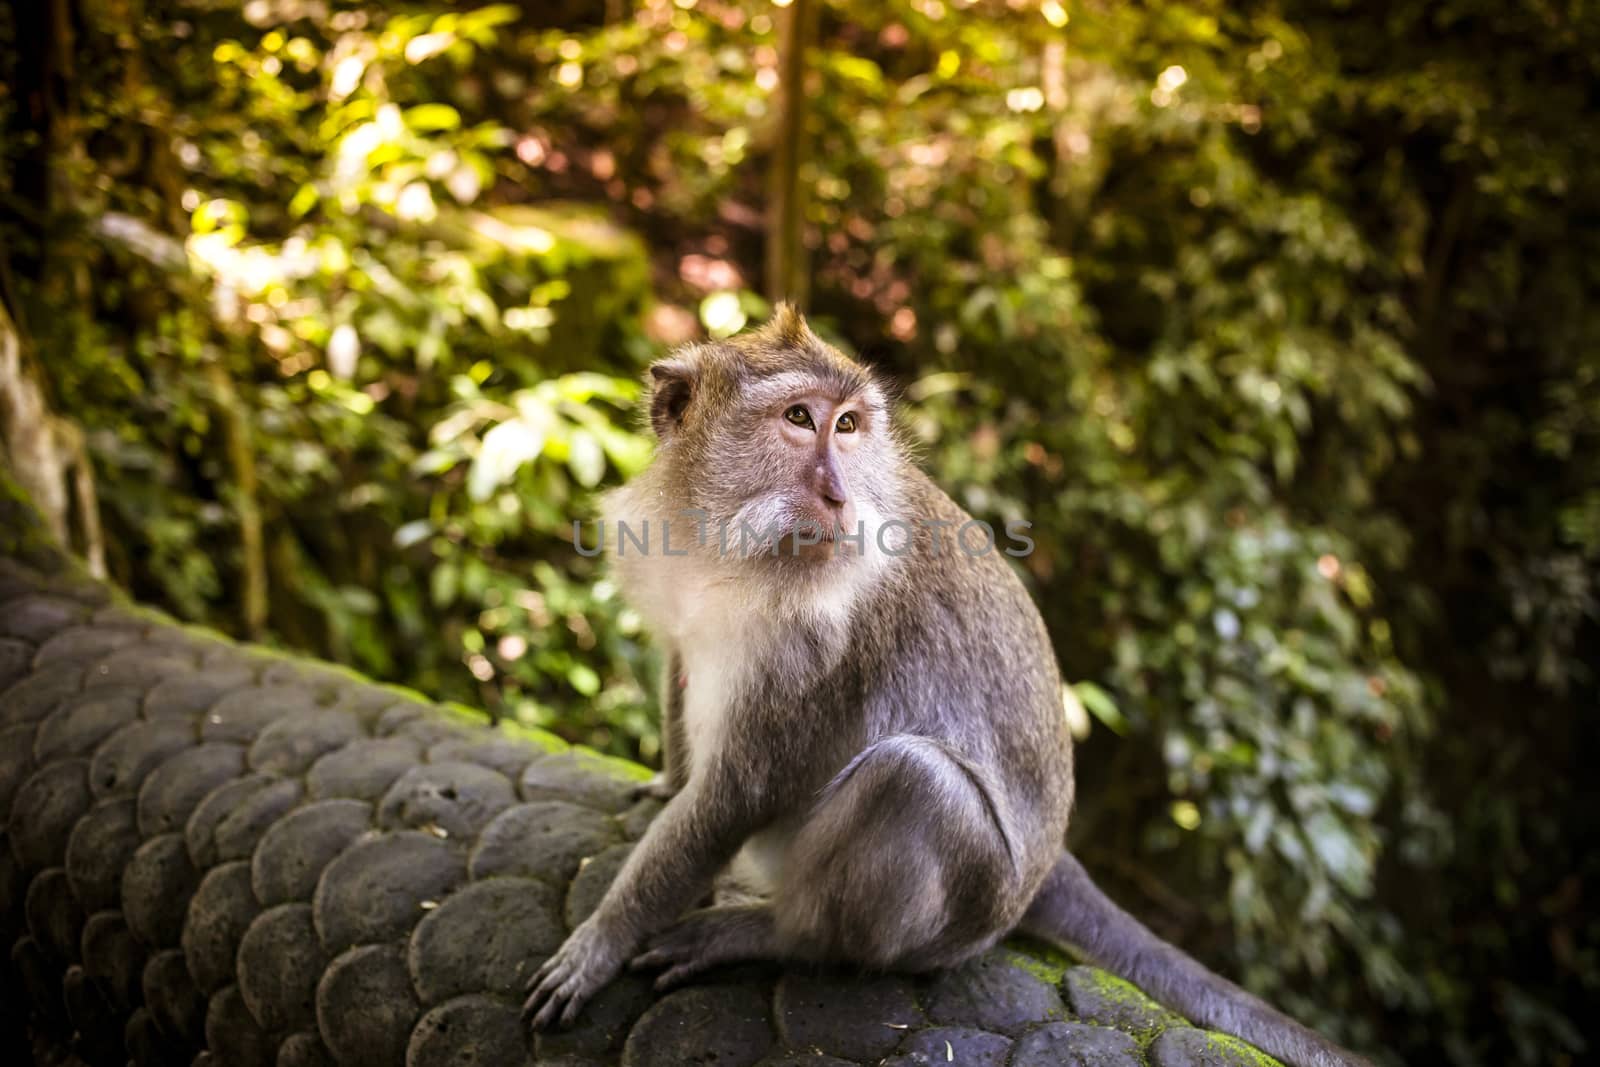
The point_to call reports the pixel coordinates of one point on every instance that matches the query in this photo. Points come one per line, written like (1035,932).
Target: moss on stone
(208,633)
(1100,997)
(533,735)
(620,767)
(1045,962)
(343,671)
(1227,1046)
(406,693)
(463,714)
(1184,1046)
(1055,955)
(1117,990)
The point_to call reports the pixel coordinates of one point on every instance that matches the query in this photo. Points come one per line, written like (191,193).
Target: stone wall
(213,854)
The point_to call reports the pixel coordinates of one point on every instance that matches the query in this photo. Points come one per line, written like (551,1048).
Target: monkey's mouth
(796,530)
(817,542)
(811,549)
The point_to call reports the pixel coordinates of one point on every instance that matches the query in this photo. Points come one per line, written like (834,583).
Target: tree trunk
(787,277)
(236,440)
(46,453)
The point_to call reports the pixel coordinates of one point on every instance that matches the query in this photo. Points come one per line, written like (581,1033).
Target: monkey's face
(786,451)
(803,498)
(785,470)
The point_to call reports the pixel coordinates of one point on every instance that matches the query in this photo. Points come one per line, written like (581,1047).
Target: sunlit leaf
(1099,704)
(505,448)
(412,532)
(586,458)
(430,118)
(425,47)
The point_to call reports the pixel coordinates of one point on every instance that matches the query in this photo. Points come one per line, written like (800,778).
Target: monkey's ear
(672,385)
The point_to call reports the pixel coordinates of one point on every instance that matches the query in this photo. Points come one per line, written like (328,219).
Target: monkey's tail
(1070,909)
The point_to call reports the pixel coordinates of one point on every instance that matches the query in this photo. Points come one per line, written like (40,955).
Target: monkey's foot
(708,938)
(580,968)
(657,788)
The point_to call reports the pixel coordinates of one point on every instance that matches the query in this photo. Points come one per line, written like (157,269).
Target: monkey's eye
(799,416)
(846,423)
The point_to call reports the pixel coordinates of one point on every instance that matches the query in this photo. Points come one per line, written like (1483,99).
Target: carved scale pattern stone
(214,855)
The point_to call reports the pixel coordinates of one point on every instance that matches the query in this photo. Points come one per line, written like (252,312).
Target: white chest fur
(720,640)
(724,620)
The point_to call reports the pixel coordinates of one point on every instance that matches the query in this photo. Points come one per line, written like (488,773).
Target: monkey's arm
(695,835)
(674,773)
(674,743)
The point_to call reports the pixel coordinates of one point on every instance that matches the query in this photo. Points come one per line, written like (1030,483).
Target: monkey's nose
(827,480)
(831,488)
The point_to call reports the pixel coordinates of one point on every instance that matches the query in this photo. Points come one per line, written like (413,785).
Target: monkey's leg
(902,864)
(709,937)
(1070,909)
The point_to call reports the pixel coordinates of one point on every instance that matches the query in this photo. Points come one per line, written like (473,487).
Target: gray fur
(870,749)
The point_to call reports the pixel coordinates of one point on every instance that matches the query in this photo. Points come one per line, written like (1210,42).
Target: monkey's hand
(581,967)
(659,787)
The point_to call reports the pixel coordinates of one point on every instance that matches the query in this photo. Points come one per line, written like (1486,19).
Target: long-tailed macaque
(865,748)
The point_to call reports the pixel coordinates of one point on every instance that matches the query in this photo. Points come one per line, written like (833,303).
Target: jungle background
(1277,320)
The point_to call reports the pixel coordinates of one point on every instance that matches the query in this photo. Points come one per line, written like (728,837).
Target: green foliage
(1273,321)
(390,333)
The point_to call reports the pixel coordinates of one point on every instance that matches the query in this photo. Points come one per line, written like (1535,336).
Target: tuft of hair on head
(786,328)
(786,343)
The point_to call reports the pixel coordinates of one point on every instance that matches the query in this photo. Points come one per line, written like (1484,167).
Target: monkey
(866,757)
